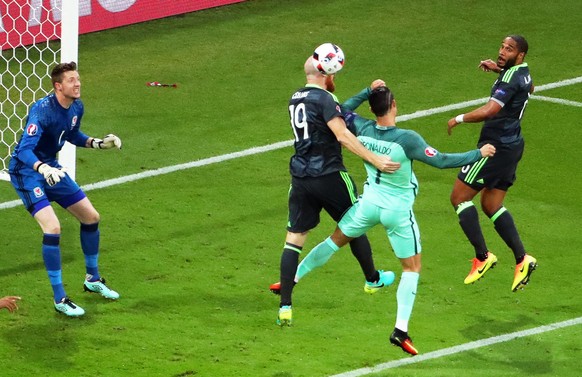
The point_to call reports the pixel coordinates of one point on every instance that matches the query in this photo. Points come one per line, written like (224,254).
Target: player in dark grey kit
(492,177)
(319,179)
(388,199)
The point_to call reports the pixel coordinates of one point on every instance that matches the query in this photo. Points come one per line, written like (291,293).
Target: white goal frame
(67,13)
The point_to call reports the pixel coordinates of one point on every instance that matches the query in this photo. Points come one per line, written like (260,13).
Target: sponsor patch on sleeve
(430,151)
(500,91)
(31,129)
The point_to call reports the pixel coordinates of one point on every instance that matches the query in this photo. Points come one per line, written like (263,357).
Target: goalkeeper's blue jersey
(47,128)
(399,189)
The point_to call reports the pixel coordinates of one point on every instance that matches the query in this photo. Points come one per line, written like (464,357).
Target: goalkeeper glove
(107,142)
(51,175)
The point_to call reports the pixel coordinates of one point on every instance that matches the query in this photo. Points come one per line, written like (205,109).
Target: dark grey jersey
(317,151)
(511,90)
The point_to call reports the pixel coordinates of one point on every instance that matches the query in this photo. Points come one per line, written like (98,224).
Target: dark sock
(90,247)
(362,250)
(51,255)
(469,221)
(400,334)
(289,263)
(374,278)
(505,227)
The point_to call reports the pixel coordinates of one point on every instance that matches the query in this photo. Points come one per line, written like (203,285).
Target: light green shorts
(401,227)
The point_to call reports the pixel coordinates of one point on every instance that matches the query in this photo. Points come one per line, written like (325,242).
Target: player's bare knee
(490,209)
(88,217)
(93,218)
(51,228)
(456,199)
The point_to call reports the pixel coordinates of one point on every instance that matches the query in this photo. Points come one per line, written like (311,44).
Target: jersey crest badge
(430,151)
(38,192)
(31,130)
(74,122)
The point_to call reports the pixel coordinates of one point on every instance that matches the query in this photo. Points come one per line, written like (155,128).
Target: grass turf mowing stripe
(281,144)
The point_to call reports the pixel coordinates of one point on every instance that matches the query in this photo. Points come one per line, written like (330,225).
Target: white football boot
(99,287)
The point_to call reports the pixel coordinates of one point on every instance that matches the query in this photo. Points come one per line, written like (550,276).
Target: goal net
(32,36)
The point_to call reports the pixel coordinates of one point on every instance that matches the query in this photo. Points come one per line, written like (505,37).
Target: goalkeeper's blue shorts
(37,194)
(401,227)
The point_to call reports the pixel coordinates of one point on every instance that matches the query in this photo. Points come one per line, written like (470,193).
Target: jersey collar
(319,87)
(524,64)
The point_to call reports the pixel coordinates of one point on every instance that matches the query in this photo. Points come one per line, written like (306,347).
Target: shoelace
(68,302)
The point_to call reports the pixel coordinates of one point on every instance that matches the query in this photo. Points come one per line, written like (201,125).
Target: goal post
(69,53)
(37,34)
(34,35)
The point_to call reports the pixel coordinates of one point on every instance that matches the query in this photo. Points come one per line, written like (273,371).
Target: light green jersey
(399,189)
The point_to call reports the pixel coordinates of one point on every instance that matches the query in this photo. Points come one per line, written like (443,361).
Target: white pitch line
(281,144)
(460,348)
(557,100)
(170,169)
(475,102)
(559,84)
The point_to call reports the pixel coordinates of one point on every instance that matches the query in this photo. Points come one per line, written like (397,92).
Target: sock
(289,262)
(317,257)
(399,333)
(405,296)
(90,246)
(469,221)
(51,255)
(362,250)
(505,227)
(375,278)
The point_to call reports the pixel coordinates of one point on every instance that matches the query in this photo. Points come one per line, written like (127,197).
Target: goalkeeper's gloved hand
(107,142)
(51,175)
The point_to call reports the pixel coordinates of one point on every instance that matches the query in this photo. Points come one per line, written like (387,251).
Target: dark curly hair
(522,45)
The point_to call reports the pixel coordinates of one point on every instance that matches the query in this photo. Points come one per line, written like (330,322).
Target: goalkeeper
(388,198)
(39,179)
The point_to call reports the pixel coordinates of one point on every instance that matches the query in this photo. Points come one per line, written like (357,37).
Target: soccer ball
(328,58)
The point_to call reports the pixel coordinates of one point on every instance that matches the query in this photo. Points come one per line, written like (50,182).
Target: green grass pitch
(192,252)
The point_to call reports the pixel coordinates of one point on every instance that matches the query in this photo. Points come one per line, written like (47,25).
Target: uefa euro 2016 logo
(31,130)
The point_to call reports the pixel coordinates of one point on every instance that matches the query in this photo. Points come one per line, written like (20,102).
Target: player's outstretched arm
(416,148)
(478,115)
(108,142)
(9,303)
(354,102)
(489,66)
